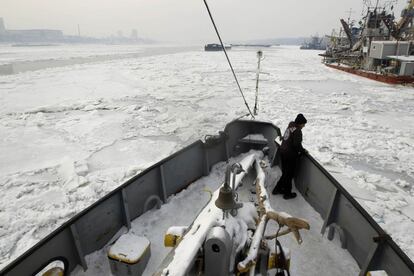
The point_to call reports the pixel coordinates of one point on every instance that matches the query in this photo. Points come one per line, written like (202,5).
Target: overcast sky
(183,20)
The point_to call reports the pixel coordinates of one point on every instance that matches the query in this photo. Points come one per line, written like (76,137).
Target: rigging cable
(228,60)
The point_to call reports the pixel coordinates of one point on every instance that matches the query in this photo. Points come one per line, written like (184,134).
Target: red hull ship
(378,48)
(390,79)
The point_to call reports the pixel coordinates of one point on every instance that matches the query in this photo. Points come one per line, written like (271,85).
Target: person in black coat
(290,150)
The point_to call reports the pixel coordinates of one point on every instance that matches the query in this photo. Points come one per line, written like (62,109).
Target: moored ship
(380,48)
(315,43)
(215,47)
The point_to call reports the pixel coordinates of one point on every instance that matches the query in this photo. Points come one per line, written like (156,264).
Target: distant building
(134,34)
(2,27)
(35,35)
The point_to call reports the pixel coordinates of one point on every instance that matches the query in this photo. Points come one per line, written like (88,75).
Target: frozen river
(71,133)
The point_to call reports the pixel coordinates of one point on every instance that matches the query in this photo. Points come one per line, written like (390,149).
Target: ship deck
(315,256)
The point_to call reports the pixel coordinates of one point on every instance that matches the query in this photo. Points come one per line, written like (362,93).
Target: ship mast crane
(348,32)
(407,16)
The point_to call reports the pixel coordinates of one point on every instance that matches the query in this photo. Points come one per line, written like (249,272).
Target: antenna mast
(260,58)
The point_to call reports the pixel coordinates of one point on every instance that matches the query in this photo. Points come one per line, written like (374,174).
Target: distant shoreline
(34,65)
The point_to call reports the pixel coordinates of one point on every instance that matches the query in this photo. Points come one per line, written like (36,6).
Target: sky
(183,20)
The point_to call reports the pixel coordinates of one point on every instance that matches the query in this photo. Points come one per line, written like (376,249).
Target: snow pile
(129,248)
(176,230)
(255,137)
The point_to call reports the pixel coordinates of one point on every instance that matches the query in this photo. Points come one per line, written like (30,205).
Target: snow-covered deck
(316,255)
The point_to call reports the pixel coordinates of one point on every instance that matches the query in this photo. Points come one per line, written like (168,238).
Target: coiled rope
(228,60)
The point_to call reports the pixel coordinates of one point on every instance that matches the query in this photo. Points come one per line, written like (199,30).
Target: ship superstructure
(380,47)
(315,43)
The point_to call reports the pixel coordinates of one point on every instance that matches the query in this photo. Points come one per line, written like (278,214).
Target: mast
(259,57)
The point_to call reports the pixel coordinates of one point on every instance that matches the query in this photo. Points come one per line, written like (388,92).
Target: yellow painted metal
(56,271)
(171,240)
(377,273)
(273,262)
(126,260)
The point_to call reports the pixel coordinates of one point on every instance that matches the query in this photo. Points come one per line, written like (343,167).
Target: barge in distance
(215,47)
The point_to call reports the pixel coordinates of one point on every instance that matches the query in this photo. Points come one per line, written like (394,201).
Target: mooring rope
(228,60)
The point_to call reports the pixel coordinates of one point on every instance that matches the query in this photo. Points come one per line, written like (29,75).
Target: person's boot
(289,195)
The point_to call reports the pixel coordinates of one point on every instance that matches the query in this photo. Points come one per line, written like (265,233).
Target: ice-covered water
(69,135)
(14,60)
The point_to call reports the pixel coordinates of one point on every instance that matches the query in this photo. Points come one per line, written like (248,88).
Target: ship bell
(226,200)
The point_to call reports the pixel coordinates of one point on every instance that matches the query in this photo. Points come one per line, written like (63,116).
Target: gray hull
(94,227)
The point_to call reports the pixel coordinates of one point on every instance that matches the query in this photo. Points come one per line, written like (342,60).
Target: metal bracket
(329,216)
(341,232)
(163,189)
(378,241)
(367,263)
(75,236)
(206,162)
(125,209)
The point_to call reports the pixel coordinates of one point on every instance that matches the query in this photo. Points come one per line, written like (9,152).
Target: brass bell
(226,199)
